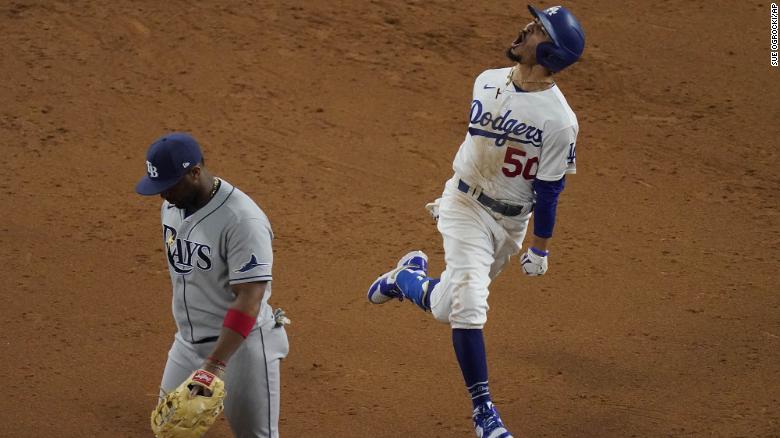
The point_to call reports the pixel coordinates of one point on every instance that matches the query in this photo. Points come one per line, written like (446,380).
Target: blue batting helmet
(568,39)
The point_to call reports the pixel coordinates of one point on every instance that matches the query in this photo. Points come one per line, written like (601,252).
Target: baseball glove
(182,415)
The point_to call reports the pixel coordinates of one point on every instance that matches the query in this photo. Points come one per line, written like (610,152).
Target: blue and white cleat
(384,289)
(487,422)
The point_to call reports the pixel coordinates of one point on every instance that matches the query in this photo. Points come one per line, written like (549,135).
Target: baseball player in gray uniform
(218,246)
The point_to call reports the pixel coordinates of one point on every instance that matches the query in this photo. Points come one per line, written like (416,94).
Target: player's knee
(469,308)
(460,291)
(441,313)
(441,302)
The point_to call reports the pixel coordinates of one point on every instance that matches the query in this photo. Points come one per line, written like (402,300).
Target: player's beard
(185,203)
(190,202)
(519,41)
(512,56)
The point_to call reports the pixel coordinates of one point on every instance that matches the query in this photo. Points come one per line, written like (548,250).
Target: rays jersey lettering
(502,127)
(185,255)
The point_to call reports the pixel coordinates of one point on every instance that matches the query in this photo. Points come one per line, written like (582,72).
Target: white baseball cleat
(384,289)
(487,422)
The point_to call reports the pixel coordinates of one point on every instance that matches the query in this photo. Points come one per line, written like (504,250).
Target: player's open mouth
(519,40)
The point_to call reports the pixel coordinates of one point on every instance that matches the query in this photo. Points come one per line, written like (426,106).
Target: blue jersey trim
(187,309)
(212,211)
(490,134)
(267,382)
(518,89)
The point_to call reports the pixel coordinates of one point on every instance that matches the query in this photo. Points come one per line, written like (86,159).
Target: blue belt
(497,206)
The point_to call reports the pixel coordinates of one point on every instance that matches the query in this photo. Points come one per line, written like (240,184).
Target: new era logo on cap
(167,161)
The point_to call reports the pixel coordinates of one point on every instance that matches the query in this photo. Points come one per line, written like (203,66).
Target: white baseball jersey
(226,242)
(514,137)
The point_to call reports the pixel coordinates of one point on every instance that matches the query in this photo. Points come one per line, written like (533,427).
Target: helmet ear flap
(547,55)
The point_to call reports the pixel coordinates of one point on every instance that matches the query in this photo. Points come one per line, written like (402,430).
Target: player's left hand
(180,414)
(534,262)
(213,368)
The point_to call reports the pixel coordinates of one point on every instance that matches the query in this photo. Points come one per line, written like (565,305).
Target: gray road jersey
(226,242)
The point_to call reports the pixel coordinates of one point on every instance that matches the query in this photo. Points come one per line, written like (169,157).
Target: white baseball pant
(477,245)
(252,380)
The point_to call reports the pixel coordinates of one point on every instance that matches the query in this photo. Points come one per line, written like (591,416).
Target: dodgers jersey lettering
(226,242)
(514,137)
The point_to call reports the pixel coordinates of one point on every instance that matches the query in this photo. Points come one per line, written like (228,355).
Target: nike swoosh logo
(489,88)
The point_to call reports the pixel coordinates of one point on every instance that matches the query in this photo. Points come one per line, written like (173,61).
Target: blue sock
(470,351)
(416,287)
(432,282)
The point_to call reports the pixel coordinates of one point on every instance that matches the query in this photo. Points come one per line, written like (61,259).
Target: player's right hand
(533,262)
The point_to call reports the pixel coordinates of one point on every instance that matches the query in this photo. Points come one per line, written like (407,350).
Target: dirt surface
(660,315)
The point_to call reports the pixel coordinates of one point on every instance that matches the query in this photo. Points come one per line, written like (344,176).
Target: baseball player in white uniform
(519,147)
(217,243)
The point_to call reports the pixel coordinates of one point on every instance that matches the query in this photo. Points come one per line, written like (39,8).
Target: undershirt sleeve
(547,193)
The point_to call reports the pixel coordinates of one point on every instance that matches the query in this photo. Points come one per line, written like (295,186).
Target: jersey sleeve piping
(251,279)
(212,211)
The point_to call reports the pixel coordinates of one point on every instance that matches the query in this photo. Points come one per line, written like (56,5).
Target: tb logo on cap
(151,170)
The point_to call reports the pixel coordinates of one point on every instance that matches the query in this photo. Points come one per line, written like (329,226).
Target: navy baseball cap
(168,159)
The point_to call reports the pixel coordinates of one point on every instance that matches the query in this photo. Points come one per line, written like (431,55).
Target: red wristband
(239,322)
